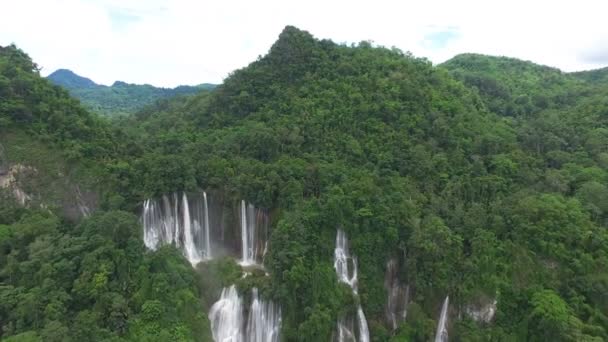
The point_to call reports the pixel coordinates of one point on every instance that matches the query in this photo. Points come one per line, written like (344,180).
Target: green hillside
(487,175)
(68,275)
(120,98)
(484,178)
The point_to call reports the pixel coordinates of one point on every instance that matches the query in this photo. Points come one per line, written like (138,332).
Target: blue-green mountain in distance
(120,98)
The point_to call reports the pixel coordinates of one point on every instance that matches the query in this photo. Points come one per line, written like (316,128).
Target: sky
(171,42)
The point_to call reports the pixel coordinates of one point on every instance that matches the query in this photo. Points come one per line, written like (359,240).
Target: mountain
(482,179)
(121,98)
(91,277)
(599,76)
(322,193)
(69,80)
(511,87)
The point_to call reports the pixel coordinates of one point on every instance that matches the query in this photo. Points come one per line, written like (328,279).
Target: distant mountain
(68,79)
(120,98)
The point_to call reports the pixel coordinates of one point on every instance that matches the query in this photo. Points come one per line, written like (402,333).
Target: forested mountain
(474,193)
(68,274)
(120,98)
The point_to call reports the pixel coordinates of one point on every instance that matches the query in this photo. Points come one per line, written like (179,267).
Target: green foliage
(486,177)
(121,98)
(93,281)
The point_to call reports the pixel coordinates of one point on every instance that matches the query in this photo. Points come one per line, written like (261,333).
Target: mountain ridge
(120,98)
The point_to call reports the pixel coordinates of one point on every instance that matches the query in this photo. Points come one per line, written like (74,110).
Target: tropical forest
(343,192)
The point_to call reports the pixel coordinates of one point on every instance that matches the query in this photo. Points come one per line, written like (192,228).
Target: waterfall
(341,259)
(442,327)
(244,236)
(251,239)
(264,320)
(190,248)
(227,319)
(345,331)
(208,254)
(362,322)
(341,264)
(184,223)
(398,295)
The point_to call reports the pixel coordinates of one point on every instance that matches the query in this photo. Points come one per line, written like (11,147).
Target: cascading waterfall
(341,259)
(227,319)
(398,295)
(252,236)
(341,264)
(264,320)
(345,331)
(208,227)
(245,250)
(184,223)
(363,329)
(202,230)
(442,327)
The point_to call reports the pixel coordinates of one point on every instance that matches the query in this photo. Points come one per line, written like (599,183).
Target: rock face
(483,313)
(3,162)
(8,180)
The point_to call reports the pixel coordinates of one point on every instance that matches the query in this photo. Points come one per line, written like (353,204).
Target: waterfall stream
(187,222)
(228,324)
(183,222)
(346,270)
(442,327)
(226,317)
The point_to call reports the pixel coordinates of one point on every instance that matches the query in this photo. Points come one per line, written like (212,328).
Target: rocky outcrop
(8,180)
(482,312)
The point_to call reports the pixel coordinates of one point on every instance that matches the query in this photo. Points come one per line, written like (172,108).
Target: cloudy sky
(171,42)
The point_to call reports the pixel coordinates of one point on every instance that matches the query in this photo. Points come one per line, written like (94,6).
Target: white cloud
(166,43)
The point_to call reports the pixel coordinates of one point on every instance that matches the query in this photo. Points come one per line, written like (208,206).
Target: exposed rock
(8,180)
(78,203)
(398,295)
(483,313)
(3,162)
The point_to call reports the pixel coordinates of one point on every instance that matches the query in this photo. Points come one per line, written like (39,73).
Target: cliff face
(38,176)
(3,162)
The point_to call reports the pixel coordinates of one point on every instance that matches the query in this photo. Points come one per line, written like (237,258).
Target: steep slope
(69,272)
(416,164)
(120,98)
(487,220)
(49,141)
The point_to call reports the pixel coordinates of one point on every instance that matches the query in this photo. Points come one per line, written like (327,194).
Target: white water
(442,327)
(207,226)
(345,331)
(227,319)
(342,258)
(362,322)
(249,234)
(184,223)
(264,320)
(190,248)
(244,236)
